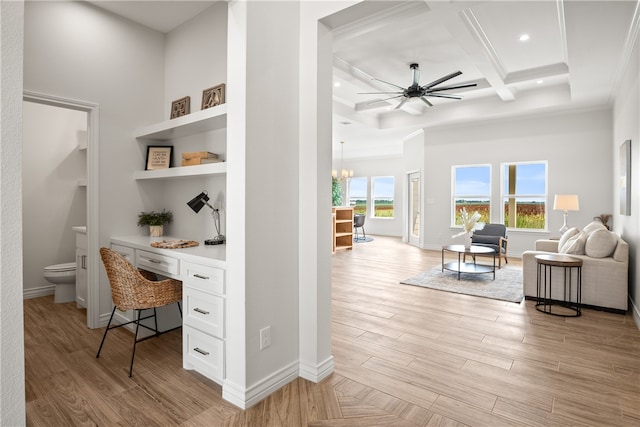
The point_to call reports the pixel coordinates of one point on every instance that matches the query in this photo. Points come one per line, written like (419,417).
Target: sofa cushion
(601,243)
(574,245)
(593,226)
(566,236)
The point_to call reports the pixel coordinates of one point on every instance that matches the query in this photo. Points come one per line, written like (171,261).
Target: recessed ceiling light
(524,37)
(539,81)
(336,84)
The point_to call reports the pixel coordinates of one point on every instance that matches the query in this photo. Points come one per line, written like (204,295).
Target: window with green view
(524,195)
(382,190)
(472,191)
(358,195)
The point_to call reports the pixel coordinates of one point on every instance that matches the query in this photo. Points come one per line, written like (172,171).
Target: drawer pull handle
(201,277)
(155,261)
(124,255)
(201,311)
(203,352)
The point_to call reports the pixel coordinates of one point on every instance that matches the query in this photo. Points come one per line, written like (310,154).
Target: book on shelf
(199,161)
(188,155)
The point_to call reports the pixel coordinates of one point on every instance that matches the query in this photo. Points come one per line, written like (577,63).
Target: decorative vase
(155,230)
(467,240)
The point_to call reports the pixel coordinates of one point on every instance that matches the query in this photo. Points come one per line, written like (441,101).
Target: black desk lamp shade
(196,204)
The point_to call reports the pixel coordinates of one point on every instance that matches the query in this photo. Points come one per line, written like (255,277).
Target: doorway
(413,208)
(80,167)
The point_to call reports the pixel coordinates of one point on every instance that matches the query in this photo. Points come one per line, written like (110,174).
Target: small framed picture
(212,96)
(180,107)
(158,157)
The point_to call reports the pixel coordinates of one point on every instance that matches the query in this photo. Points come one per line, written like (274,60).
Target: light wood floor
(404,356)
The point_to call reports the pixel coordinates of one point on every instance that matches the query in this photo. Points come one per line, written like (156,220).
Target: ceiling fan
(417,91)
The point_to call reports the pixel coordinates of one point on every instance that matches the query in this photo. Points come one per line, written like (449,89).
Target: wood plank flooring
(404,356)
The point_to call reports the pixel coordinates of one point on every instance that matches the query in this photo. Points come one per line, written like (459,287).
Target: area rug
(363,239)
(506,287)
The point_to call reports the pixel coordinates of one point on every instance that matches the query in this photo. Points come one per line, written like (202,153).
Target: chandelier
(345,174)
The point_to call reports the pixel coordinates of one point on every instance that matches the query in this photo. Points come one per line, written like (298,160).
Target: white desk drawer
(126,252)
(157,263)
(203,353)
(203,311)
(203,278)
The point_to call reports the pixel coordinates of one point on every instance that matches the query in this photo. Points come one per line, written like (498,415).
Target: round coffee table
(544,296)
(469,267)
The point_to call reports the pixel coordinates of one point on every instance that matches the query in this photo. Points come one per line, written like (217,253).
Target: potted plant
(336,192)
(155,221)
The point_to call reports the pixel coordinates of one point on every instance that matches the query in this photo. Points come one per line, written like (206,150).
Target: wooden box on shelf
(342,228)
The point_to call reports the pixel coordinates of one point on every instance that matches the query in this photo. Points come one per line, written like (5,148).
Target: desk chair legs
(137,320)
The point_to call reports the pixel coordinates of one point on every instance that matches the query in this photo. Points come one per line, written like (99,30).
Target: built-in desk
(201,270)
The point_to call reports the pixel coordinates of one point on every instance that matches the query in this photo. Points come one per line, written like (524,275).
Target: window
(524,194)
(382,190)
(472,191)
(358,195)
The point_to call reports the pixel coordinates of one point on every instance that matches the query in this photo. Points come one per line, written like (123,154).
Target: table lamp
(196,204)
(566,203)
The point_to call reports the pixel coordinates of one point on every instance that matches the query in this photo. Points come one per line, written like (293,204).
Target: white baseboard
(635,312)
(42,291)
(245,398)
(316,373)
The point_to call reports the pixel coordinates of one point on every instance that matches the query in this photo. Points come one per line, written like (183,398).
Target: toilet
(64,277)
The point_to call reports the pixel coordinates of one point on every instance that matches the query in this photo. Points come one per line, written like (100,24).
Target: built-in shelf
(183,171)
(213,118)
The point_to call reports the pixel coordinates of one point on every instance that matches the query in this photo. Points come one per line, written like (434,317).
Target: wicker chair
(133,289)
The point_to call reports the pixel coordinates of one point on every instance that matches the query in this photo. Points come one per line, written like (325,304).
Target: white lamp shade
(566,202)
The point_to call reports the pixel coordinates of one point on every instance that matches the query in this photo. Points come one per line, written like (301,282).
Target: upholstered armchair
(493,236)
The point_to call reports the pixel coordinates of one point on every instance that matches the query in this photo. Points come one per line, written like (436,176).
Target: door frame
(93,214)
(411,239)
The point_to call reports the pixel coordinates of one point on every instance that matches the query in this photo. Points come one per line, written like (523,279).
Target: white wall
(77,51)
(53,202)
(12,390)
(195,59)
(575,144)
(626,125)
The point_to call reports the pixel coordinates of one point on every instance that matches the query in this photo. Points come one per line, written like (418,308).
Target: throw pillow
(593,226)
(566,236)
(601,244)
(574,245)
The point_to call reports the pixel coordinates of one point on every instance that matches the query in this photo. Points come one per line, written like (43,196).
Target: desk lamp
(198,203)
(566,203)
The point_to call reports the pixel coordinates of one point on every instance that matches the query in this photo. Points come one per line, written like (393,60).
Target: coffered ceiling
(572,58)
(526,57)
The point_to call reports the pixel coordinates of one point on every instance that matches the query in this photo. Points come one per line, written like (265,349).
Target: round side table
(568,303)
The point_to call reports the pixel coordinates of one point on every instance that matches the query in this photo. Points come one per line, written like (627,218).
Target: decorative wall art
(180,107)
(625,178)
(213,96)
(158,157)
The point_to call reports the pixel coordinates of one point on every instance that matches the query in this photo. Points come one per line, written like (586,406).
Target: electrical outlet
(265,337)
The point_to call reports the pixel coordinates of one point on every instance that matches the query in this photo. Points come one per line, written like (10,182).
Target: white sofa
(604,278)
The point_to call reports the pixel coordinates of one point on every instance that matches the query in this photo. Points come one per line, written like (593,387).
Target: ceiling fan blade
(401,104)
(442,79)
(440,95)
(385,99)
(453,87)
(379,93)
(387,83)
(425,101)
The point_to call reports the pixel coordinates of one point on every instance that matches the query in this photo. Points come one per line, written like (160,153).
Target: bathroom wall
(53,201)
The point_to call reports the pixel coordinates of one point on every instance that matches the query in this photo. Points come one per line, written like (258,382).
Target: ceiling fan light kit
(417,91)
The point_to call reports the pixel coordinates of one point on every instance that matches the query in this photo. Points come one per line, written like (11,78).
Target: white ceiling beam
(472,38)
